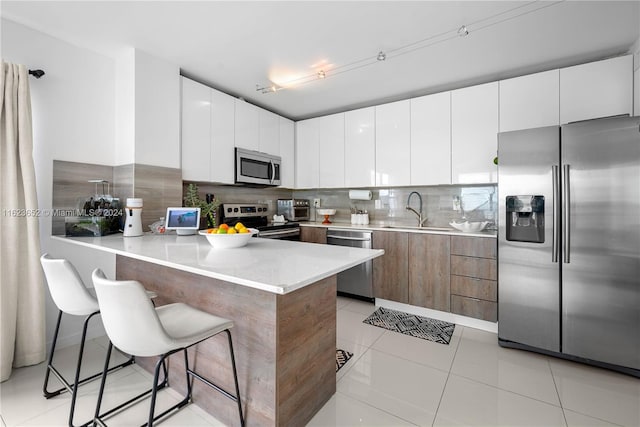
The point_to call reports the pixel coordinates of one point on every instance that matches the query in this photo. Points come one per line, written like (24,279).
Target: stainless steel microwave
(254,167)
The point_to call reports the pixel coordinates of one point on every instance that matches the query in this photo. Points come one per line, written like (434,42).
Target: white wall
(73,120)
(125,108)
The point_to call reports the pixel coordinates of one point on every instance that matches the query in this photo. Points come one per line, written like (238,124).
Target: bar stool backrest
(129,316)
(67,288)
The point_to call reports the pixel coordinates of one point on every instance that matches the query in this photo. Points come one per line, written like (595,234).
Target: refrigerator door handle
(566,214)
(556,209)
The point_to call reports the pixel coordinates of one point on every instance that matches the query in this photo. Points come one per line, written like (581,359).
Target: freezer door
(601,266)
(528,276)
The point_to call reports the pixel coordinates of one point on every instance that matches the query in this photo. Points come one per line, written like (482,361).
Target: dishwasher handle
(359,239)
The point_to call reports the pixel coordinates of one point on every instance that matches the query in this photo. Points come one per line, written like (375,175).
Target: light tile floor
(392,380)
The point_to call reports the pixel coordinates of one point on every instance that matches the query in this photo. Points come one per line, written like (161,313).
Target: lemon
(239,226)
(232,231)
(243,231)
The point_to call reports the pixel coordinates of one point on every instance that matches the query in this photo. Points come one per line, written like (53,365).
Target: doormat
(409,324)
(342,357)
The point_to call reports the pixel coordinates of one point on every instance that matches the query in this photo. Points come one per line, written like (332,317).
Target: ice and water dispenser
(525,218)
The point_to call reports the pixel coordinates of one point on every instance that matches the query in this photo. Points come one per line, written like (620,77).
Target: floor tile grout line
(555,385)
(375,407)
(444,387)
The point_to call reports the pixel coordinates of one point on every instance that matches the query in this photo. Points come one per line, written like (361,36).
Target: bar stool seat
(71,297)
(136,327)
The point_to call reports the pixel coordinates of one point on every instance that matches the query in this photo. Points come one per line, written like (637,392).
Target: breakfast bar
(281,296)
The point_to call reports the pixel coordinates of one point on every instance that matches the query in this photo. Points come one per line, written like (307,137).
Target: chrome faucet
(421,220)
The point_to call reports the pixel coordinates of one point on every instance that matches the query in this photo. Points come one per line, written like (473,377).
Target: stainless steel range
(254,215)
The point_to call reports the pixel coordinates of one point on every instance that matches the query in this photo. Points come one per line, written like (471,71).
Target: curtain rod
(36,73)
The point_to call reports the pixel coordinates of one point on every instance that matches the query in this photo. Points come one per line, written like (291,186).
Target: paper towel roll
(360,194)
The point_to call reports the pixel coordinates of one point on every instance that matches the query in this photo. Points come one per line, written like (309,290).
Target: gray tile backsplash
(477,203)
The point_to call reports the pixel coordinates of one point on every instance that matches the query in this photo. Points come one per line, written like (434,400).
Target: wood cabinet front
(391,271)
(429,271)
(313,235)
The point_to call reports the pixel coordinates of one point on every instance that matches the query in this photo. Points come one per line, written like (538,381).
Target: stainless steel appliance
(356,281)
(569,241)
(254,167)
(254,215)
(294,209)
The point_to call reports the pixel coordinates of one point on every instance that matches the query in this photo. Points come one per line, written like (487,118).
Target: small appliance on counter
(97,215)
(184,220)
(294,209)
(133,218)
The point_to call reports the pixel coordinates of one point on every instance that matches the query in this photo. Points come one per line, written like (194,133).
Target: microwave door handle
(273,171)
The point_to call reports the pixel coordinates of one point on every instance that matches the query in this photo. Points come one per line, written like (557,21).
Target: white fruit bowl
(326,212)
(469,227)
(228,241)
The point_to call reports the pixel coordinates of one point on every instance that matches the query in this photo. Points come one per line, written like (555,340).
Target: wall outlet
(456,203)
(316,203)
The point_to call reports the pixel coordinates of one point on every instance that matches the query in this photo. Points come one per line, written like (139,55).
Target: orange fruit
(224,227)
(212,230)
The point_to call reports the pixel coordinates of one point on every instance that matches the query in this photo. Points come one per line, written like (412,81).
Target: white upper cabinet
(474,130)
(222,138)
(307,153)
(431,139)
(331,150)
(530,101)
(393,140)
(287,152)
(269,132)
(360,148)
(597,89)
(247,125)
(196,131)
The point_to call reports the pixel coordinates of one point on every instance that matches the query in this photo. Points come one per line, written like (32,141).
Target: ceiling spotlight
(463,31)
(267,89)
(321,74)
(381,56)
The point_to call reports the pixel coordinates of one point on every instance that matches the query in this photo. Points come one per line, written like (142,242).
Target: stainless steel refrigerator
(569,241)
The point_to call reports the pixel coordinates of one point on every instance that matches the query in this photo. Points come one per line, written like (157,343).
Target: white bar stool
(71,297)
(136,327)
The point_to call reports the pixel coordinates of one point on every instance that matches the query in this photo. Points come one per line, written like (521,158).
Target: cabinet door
(393,144)
(287,152)
(530,101)
(307,154)
(431,139)
(247,125)
(429,271)
(269,132)
(391,271)
(360,148)
(196,131)
(474,134)
(331,146)
(222,138)
(313,235)
(597,89)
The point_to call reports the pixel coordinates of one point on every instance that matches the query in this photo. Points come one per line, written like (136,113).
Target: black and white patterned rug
(342,357)
(409,324)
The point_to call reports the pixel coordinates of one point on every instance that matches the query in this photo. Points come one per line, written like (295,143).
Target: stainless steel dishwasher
(356,281)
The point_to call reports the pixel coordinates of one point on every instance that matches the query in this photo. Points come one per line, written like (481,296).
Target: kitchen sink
(420,228)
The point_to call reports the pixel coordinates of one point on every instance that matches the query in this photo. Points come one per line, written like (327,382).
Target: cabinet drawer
(481,268)
(471,307)
(480,247)
(474,288)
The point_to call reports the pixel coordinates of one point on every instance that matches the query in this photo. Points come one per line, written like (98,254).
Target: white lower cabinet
(393,144)
(474,132)
(307,154)
(431,139)
(360,148)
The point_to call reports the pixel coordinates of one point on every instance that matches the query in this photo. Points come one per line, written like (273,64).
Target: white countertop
(277,266)
(381,226)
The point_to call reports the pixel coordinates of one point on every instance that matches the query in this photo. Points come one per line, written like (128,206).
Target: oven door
(253,167)
(282,234)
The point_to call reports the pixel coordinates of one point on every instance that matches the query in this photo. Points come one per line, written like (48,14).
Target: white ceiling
(234,46)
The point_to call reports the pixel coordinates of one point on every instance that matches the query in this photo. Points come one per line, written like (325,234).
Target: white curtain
(22,312)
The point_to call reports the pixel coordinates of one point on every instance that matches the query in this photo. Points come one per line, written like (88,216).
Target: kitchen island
(281,296)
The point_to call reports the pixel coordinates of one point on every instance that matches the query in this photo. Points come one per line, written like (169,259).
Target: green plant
(208,210)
